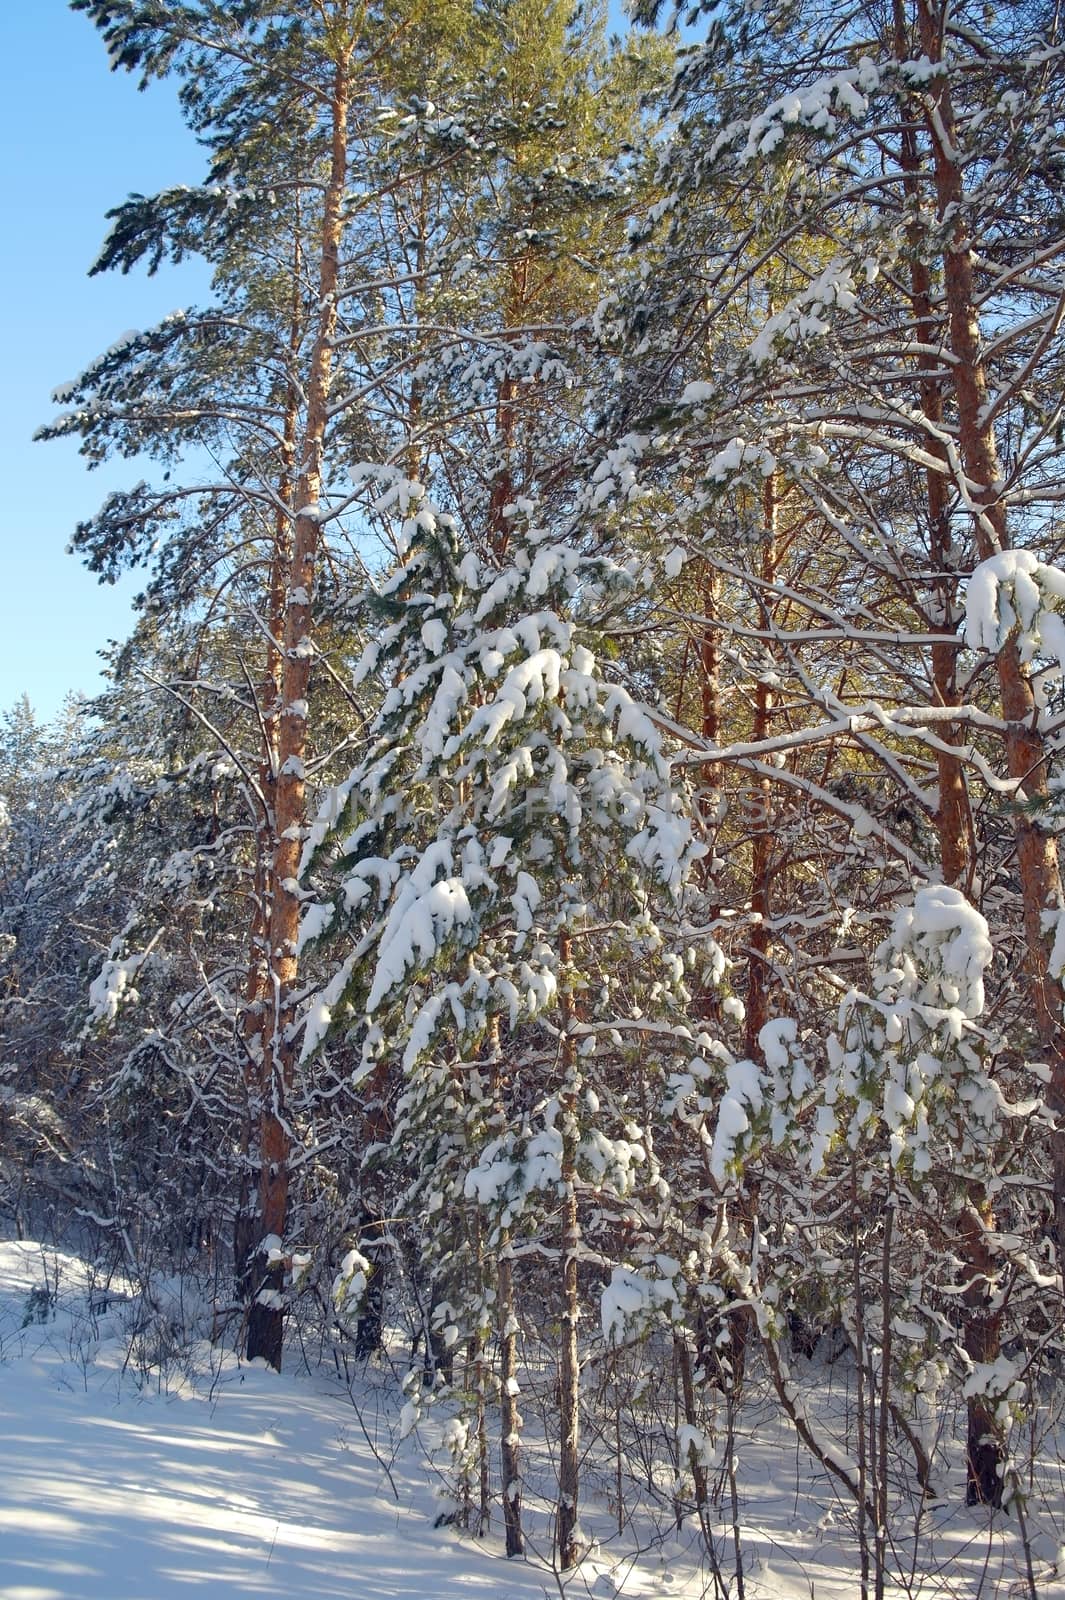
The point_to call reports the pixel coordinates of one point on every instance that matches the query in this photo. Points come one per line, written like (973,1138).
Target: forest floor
(125,1479)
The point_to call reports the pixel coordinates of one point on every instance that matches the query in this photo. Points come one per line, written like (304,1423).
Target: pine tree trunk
(484,1488)
(710,662)
(953,817)
(1037,857)
(510,1417)
(953,820)
(984,1450)
(502,490)
(569,1377)
(266,1321)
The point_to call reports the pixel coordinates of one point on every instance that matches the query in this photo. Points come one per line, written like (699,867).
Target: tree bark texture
(266,1318)
(1037,857)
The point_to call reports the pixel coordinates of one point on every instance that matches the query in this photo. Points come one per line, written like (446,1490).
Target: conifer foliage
(567,863)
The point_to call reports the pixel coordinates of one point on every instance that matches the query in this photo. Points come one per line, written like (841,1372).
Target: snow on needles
(498,721)
(910,1055)
(1015,590)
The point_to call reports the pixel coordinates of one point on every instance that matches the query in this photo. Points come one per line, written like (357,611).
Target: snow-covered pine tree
(352,220)
(248,379)
(511,830)
(872,349)
(912,1070)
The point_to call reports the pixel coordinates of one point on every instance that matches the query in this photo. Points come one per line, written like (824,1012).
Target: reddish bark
(265,1321)
(1037,857)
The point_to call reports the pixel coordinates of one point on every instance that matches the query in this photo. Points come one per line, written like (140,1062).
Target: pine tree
(250,379)
(513,808)
(903,443)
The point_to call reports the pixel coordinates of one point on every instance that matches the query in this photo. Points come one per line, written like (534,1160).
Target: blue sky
(76,139)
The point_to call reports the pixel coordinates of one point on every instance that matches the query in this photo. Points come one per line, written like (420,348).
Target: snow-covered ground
(222,1480)
(117,1483)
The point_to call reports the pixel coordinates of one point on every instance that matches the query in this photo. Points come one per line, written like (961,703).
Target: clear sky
(75,139)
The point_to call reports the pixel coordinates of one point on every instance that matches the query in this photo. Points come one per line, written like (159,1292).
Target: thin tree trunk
(1037,852)
(710,661)
(257,986)
(687,1390)
(984,1450)
(374,1129)
(501,493)
(762,842)
(880,1534)
(863,1464)
(480,1389)
(510,1444)
(568,1360)
(569,1375)
(507,1333)
(953,816)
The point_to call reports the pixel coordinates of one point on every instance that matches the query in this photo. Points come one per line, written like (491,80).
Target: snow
(314,920)
(527,683)
(914,1033)
(630,1300)
(242,1483)
(1015,590)
(127,1481)
(946,928)
(112,988)
(349,1286)
(419,922)
(988,617)
(805,316)
(1057,954)
(742,1099)
(320,1012)
(813,107)
(434,635)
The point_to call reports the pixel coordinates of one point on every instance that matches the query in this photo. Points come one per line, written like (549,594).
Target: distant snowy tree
(44,941)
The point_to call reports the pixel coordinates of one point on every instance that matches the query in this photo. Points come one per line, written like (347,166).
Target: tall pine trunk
(266,1317)
(507,1334)
(1026,757)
